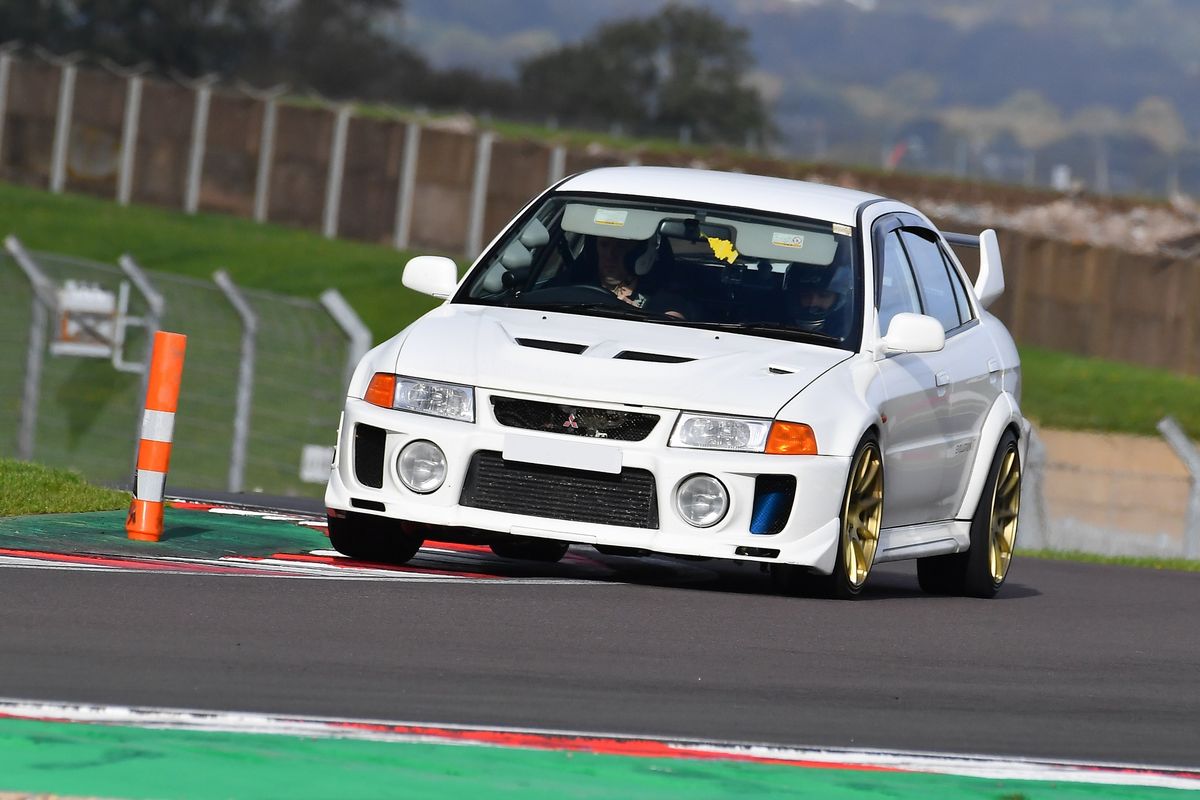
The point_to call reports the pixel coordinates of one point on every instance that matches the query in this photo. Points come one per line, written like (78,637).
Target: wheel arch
(1004,415)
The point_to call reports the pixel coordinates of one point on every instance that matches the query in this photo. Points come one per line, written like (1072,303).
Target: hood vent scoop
(561,347)
(634,355)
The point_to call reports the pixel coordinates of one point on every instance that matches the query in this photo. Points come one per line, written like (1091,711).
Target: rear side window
(937,295)
(899,291)
(960,291)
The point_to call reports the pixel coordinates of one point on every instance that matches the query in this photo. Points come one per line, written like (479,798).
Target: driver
(817,298)
(617,271)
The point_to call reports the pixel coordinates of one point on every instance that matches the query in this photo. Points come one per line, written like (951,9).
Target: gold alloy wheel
(1006,504)
(862,514)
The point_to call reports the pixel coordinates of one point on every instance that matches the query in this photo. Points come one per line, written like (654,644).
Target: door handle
(942,378)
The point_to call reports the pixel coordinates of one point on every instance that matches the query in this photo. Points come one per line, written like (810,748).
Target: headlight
(422,466)
(702,501)
(721,433)
(745,434)
(422,397)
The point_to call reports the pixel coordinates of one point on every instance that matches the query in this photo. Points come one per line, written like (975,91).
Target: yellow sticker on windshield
(722,249)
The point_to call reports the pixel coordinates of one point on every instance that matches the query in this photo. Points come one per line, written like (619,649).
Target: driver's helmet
(639,256)
(817,297)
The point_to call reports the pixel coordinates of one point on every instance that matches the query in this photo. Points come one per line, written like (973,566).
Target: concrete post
(245,387)
(337,168)
(62,127)
(479,190)
(129,137)
(266,156)
(558,164)
(408,184)
(191,200)
(5,70)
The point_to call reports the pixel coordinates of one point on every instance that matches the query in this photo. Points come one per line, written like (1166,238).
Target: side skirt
(926,539)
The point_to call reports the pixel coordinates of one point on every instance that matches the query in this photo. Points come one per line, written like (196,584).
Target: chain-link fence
(263,384)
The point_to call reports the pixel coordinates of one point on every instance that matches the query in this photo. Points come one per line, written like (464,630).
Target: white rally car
(705,364)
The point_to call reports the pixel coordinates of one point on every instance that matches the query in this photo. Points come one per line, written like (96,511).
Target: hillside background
(1110,89)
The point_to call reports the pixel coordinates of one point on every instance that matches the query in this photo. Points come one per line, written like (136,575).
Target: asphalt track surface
(1071,661)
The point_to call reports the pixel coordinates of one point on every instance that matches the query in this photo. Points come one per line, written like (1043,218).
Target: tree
(189,36)
(335,48)
(683,67)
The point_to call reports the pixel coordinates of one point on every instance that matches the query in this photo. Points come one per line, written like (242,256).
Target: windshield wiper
(605,309)
(769,329)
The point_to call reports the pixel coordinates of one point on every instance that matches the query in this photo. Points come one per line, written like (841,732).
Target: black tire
(366,537)
(840,585)
(971,573)
(548,551)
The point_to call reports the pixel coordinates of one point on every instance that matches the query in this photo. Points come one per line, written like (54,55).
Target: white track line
(976,766)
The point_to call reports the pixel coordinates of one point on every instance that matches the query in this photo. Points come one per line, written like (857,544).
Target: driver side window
(899,290)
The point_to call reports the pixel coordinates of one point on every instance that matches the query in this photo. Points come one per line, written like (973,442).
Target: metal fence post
(350,323)
(408,183)
(156,306)
(203,88)
(337,169)
(479,190)
(62,126)
(43,302)
(1173,432)
(245,389)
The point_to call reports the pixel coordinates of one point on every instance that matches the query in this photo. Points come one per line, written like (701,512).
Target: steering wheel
(592,288)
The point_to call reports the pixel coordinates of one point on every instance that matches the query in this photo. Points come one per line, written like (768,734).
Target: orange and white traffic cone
(145,520)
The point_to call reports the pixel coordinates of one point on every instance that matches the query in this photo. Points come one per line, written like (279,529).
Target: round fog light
(422,466)
(702,501)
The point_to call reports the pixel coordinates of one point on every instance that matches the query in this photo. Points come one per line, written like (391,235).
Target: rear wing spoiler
(990,284)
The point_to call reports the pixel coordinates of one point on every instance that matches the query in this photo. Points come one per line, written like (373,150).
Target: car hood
(505,349)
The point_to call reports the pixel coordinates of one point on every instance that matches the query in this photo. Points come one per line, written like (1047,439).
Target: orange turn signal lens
(382,389)
(791,439)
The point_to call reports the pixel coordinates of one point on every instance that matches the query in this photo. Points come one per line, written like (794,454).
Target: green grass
(270,257)
(1061,390)
(1145,562)
(34,489)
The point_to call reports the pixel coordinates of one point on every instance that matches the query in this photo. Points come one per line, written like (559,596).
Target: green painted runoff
(127,762)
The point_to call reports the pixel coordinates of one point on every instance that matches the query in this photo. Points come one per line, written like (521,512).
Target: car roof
(758,192)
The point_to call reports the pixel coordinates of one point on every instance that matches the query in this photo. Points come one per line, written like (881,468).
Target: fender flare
(1003,414)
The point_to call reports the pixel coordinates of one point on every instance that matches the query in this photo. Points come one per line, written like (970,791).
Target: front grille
(627,499)
(596,423)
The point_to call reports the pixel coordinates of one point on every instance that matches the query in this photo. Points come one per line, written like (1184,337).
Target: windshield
(677,264)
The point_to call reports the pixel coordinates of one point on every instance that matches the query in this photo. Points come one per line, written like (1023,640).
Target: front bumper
(809,537)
